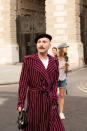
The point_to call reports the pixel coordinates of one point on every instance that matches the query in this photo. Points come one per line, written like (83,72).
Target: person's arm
(66,67)
(61,67)
(23,85)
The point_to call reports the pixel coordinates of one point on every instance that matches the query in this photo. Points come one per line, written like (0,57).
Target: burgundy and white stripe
(41,85)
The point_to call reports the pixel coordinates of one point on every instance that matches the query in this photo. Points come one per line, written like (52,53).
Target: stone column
(74,33)
(63,23)
(9,52)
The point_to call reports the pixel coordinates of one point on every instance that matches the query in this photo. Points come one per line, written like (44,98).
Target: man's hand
(19,109)
(54,107)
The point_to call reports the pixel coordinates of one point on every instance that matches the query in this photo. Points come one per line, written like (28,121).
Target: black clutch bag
(22,120)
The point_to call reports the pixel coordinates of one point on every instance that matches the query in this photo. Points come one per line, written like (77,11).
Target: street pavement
(75,107)
(10,74)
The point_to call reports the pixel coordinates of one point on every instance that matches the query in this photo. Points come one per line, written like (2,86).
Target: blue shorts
(62,84)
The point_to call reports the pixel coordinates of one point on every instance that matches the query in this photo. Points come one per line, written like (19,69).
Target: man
(54,52)
(40,77)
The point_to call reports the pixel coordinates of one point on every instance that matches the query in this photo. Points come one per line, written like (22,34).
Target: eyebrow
(42,40)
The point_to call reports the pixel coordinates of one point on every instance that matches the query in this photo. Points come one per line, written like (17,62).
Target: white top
(45,62)
(62,73)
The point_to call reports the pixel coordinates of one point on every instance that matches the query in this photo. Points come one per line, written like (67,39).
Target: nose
(41,43)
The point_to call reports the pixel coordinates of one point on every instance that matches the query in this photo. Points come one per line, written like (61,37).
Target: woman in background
(63,69)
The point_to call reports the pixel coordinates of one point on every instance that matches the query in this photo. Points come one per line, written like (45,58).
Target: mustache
(41,47)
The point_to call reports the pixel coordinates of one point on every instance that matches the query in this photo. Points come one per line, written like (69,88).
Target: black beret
(43,36)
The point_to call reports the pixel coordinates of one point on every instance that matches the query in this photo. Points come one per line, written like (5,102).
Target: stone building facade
(22,20)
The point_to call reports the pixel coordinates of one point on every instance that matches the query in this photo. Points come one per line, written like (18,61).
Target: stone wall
(8,45)
(9,10)
(63,23)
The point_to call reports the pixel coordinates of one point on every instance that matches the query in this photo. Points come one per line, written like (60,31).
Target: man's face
(43,45)
(54,51)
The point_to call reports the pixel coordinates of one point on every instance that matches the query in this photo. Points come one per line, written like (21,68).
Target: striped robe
(40,86)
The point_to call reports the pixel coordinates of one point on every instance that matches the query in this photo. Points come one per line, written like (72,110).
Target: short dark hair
(54,48)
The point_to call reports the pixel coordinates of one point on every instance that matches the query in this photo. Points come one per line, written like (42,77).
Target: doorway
(30,22)
(84,34)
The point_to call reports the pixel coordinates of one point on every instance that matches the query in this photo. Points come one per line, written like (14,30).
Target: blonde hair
(61,52)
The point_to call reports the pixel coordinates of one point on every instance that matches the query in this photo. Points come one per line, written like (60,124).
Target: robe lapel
(52,65)
(38,65)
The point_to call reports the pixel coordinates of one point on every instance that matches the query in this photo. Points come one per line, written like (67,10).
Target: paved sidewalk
(10,74)
(75,107)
